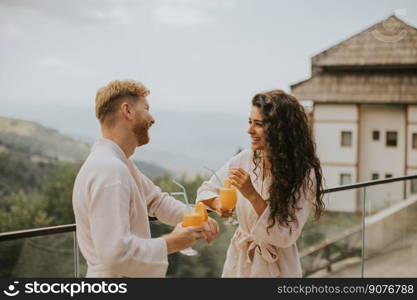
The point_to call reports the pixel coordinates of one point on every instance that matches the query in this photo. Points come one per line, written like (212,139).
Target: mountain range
(31,142)
(181,142)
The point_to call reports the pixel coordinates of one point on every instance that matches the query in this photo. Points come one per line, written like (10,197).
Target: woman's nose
(250,129)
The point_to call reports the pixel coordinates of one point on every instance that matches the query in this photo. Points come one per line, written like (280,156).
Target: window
(388,175)
(375,176)
(414,140)
(345,178)
(375,135)
(414,186)
(391,139)
(346,139)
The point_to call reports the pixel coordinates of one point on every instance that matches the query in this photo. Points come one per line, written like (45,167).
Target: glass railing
(209,261)
(390,239)
(46,252)
(334,242)
(368,230)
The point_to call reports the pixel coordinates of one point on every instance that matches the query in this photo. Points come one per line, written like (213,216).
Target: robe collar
(109,144)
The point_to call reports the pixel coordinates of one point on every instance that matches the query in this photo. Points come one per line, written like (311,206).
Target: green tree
(57,194)
(19,211)
(19,173)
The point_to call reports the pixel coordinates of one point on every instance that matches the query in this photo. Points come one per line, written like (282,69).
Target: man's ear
(125,110)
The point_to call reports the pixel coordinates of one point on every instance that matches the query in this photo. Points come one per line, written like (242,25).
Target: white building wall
(344,201)
(412,113)
(411,153)
(338,112)
(412,128)
(410,171)
(329,121)
(376,157)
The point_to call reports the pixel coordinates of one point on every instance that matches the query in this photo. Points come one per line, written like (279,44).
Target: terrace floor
(397,260)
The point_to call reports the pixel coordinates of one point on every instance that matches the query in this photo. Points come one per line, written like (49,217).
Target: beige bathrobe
(253,252)
(112,200)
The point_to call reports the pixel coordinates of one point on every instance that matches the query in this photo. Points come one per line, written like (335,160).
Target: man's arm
(117,248)
(161,205)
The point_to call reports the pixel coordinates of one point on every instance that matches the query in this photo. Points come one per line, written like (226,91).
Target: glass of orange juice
(192,217)
(228,199)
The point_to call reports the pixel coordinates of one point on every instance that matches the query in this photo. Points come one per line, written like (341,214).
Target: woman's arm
(241,180)
(258,204)
(208,192)
(279,235)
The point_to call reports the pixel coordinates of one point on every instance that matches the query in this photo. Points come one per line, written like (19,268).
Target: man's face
(142,121)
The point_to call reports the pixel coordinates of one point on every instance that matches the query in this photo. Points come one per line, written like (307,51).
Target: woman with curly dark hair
(279,181)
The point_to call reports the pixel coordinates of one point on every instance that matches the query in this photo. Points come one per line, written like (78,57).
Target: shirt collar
(103,142)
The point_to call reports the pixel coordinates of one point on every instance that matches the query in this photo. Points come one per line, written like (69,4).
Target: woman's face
(256,129)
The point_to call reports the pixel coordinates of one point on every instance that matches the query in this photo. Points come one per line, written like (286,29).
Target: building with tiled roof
(364,116)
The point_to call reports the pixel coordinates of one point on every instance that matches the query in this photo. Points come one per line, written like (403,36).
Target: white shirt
(112,201)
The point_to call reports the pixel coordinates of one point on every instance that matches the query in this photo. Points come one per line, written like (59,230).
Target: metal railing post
(363,233)
(76,257)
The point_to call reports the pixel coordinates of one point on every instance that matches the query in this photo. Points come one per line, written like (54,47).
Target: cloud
(76,11)
(52,62)
(190,12)
(181,15)
(57,64)
(11,32)
(114,14)
(177,12)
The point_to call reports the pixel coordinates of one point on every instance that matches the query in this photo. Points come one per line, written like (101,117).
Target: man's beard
(141,133)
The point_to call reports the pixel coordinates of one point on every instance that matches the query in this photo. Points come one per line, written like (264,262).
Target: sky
(194,55)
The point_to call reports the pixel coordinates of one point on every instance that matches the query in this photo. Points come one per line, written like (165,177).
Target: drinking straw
(183,193)
(214,173)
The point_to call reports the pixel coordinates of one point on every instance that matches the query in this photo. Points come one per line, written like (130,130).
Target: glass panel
(45,256)
(413,186)
(82,264)
(390,231)
(210,258)
(332,246)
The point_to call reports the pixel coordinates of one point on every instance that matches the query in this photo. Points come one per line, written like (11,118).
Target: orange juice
(192,217)
(228,198)
(201,209)
(192,220)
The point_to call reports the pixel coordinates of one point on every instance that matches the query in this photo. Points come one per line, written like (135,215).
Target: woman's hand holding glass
(221,211)
(225,204)
(242,181)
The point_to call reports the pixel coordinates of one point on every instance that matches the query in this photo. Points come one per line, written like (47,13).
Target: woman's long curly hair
(291,153)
